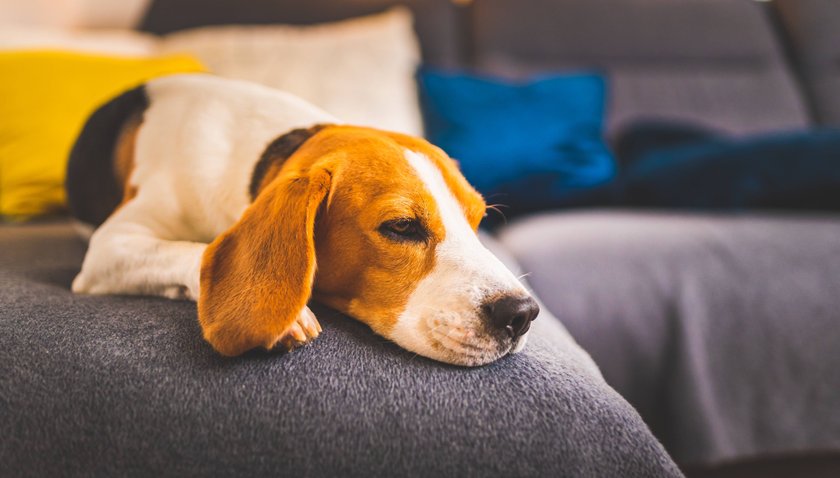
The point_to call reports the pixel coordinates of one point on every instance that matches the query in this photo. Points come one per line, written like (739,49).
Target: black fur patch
(280,150)
(93,191)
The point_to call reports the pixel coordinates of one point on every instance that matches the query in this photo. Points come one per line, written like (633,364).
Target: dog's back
(94,184)
(183,145)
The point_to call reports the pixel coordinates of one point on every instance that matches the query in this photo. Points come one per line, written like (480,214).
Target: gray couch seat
(125,386)
(722,330)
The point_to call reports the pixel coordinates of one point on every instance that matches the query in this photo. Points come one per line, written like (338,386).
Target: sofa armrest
(126,386)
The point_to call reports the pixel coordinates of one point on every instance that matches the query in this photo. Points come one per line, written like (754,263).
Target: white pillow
(360,70)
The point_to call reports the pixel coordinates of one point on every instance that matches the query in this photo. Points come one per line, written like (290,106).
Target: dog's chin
(472,353)
(451,339)
(478,356)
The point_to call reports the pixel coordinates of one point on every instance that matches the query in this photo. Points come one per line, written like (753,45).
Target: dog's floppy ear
(278,152)
(257,276)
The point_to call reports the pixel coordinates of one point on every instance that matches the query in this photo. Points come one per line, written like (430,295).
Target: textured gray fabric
(122,386)
(814,29)
(825,88)
(723,331)
(716,62)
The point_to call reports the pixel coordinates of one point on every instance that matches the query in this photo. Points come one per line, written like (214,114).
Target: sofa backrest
(713,62)
(813,27)
(716,62)
(435,20)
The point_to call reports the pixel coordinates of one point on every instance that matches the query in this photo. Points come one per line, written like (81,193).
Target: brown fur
(124,154)
(327,200)
(253,285)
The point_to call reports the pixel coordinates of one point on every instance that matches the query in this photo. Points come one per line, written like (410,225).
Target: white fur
(195,153)
(443,313)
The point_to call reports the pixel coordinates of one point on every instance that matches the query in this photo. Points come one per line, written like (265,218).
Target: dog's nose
(512,314)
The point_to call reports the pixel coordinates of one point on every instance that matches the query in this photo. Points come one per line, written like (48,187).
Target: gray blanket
(723,331)
(123,386)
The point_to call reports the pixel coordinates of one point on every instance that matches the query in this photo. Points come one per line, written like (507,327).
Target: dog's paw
(302,331)
(80,284)
(177,292)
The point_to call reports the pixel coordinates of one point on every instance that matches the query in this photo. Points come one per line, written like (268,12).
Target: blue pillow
(793,170)
(531,145)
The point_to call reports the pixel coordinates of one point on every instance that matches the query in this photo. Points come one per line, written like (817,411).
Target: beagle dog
(251,201)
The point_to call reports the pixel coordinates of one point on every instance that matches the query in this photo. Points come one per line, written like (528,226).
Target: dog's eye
(403,230)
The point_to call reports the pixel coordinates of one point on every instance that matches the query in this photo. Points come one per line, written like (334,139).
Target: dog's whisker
(497,209)
(465,347)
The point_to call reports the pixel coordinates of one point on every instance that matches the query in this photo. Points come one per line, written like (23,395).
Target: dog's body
(196,174)
(213,189)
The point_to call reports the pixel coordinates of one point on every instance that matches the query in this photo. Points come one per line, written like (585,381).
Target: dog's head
(391,224)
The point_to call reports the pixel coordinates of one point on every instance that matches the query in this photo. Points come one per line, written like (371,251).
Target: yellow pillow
(45,99)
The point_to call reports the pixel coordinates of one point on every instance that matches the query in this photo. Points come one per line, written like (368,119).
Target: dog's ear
(277,153)
(257,276)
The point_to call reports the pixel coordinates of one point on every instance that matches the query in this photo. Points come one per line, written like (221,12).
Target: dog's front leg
(127,258)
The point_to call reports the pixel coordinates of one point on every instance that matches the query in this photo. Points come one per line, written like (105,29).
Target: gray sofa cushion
(716,62)
(723,331)
(814,28)
(125,386)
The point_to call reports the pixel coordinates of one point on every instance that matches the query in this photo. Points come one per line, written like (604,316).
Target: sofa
(703,339)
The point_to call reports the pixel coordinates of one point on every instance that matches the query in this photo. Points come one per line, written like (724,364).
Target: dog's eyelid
(399,222)
(407,228)
(401,219)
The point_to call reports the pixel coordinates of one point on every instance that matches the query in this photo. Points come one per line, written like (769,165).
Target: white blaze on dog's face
(396,248)
(469,309)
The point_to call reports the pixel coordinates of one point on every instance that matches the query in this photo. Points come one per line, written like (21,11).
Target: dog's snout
(512,314)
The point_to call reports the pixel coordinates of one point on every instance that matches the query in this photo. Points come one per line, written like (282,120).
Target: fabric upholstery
(716,62)
(813,26)
(435,20)
(125,386)
(721,330)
